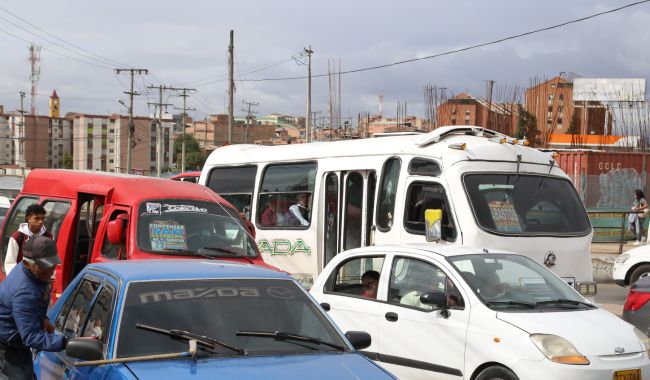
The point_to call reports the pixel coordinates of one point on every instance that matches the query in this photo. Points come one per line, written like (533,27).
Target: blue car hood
(328,366)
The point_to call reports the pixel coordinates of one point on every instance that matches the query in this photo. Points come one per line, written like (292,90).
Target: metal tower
(34,59)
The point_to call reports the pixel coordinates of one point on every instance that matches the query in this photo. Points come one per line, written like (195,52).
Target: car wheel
(496,373)
(641,271)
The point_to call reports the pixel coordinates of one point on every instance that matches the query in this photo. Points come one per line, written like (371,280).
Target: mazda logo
(549,259)
(280,292)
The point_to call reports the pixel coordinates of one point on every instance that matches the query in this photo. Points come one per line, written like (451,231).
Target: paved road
(611,297)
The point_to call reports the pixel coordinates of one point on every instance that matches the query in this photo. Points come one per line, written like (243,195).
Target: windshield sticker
(505,217)
(283,247)
(153,208)
(182,208)
(165,235)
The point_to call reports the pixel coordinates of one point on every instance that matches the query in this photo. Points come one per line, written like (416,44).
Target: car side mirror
(433,224)
(115,231)
(250,227)
(359,339)
(85,349)
(435,298)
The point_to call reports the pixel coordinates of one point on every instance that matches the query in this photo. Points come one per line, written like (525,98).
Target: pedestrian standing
(636,219)
(24,299)
(33,226)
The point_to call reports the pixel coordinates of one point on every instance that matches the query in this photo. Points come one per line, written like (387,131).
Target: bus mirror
(250,227)
(433,224)
(115,231)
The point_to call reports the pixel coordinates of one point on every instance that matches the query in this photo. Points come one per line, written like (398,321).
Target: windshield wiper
(229,252)
(563,302)
(527,305)
(281,335)
(178,250)
(187,336)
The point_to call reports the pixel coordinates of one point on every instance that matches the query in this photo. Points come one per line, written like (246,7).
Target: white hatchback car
(632,265)
(459,313)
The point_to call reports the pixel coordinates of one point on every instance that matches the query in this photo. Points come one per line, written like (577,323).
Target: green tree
(527,126)
(194,158)
(67,160)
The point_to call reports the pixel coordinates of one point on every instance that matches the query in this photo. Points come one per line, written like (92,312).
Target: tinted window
(331,216)
(188,227)
(291,188)
(73,319)
(234,184)
(98,323)
(423,196)
(526,204)
(353,206)
(423,166)
(221,308)
(387,193)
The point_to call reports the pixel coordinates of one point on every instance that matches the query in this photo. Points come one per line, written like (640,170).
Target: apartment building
(464,109)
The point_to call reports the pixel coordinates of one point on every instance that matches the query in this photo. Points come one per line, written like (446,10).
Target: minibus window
(423,166)
(289,188)
(387,193)
(372,184)
(512,204)
(423,196)
(17,217)
(235,184)
(352,211)
(331,217)
(55,213)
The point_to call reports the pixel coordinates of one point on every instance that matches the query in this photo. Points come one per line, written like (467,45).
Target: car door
(420,341)
(344,298)
(86,313)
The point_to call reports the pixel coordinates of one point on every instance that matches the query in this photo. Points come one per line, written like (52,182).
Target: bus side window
(235,184)
(387,193)
(424,196)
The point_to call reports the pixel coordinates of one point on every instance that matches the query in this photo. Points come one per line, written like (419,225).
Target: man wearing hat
(24,299)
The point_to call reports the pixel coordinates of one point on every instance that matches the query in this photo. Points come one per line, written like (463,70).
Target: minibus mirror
(250,227)
(433,224)
(435,298)
(115,231)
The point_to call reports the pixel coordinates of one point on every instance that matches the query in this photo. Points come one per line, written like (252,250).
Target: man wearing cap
(24,299)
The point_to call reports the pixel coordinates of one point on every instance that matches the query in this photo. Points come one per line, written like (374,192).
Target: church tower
(55,105)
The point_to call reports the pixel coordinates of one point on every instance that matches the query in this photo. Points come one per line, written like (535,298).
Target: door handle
(391,317)
(325,306)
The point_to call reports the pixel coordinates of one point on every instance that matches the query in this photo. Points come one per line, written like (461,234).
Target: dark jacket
(23,307)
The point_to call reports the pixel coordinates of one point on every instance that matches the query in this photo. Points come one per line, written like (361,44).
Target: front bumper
(600,368)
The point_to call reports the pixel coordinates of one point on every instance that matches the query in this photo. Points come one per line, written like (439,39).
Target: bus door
(348,206)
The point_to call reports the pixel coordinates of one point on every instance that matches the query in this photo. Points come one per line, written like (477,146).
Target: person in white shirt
(300,210)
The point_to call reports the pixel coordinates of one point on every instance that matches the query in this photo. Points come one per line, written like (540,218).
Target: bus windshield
(188,227)
(516,204)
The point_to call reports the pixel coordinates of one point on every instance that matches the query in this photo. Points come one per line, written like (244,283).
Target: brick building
(464,109)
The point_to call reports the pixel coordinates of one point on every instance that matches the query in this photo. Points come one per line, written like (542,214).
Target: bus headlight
(558,349)
(622,258)
(645,341)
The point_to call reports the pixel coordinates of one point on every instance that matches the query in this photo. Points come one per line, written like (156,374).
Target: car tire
(496,373)
(640,271)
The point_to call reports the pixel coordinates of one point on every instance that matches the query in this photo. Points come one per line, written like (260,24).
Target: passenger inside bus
(299,213)
(272,216)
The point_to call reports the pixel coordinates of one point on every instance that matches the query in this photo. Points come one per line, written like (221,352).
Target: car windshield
(188,227)
(220,309)
(513,282)
(511,204)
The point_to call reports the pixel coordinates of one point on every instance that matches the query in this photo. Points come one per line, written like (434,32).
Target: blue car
(178,319)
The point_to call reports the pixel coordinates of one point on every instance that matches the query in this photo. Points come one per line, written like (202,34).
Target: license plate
(628,374)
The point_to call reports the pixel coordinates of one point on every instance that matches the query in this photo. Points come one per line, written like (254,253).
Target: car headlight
(645,341)
(558,349)
(622,258)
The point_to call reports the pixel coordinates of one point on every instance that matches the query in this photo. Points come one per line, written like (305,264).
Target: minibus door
(90,208)
(348,206)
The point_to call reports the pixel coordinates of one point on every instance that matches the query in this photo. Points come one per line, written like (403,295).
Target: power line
(450,52)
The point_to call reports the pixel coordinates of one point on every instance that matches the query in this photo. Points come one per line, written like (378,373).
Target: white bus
(494,192)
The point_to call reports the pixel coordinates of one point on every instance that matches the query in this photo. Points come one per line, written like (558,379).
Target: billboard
(609,90)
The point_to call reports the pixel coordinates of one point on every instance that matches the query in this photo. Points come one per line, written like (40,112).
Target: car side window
(357,277)
(411,278)
(71,319)
(97,324)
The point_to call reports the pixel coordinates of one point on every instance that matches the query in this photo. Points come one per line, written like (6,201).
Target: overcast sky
(185,43)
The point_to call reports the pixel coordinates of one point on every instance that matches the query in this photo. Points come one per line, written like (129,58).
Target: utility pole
(184,95)
(129,135)
(231,85)
(21,134)
(309,52)
(160,106)
(249,118)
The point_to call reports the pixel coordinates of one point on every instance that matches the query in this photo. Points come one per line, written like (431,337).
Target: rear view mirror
(433,224)
(115,231)
(85,349)
(359,339)
(435,298)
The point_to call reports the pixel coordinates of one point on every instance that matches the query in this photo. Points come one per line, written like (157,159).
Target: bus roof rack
(440,133)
